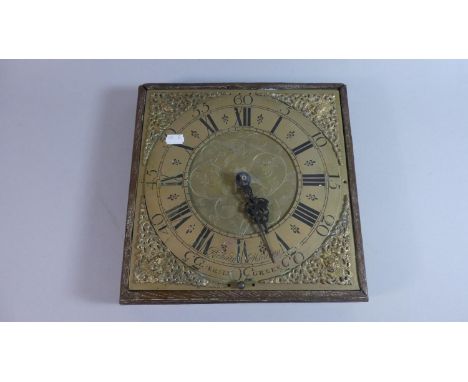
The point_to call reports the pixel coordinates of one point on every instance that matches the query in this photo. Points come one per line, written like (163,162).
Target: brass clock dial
(192,236)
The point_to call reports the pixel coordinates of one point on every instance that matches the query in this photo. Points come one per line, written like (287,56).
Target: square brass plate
(188,238)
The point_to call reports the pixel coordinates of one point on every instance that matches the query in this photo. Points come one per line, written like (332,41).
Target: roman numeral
(181,213)
(209,124)
(172,180)
(242,251)
(282,242)
(313,179)
(303,147)
(188,148)
(246,114)
(278,121)
(306,214)
(203,240)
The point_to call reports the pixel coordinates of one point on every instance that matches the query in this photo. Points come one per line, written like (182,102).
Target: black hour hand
(256,208)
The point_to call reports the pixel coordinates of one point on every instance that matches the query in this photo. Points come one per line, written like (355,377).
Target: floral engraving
(190,228)
(294,228)
(173,196)
(311,197)
(290,134)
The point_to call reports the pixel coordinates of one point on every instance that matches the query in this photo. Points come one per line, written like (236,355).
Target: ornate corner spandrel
(320,108)
(165,108)
(331,264)
(155,264)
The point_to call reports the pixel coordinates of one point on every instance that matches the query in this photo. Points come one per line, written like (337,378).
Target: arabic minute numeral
(319,139)
(159,223)
(325,225)
(243,99)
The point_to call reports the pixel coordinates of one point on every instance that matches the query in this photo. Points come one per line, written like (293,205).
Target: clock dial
(197,228)
(197,205)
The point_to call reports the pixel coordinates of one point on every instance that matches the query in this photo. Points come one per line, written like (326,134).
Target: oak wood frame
(128,296)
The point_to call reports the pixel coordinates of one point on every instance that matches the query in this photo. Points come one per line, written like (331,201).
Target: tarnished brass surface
(211,179)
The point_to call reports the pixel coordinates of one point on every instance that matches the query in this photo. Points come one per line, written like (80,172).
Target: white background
(66,130)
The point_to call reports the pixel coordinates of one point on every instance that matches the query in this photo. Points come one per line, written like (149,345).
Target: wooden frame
(128,296)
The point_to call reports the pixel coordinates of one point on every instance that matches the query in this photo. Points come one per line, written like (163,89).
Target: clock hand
(256,208)
(262,234)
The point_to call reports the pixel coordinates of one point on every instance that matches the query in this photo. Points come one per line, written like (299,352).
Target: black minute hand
(256,208)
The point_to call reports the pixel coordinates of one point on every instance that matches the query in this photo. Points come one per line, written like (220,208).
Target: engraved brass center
(212,179)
